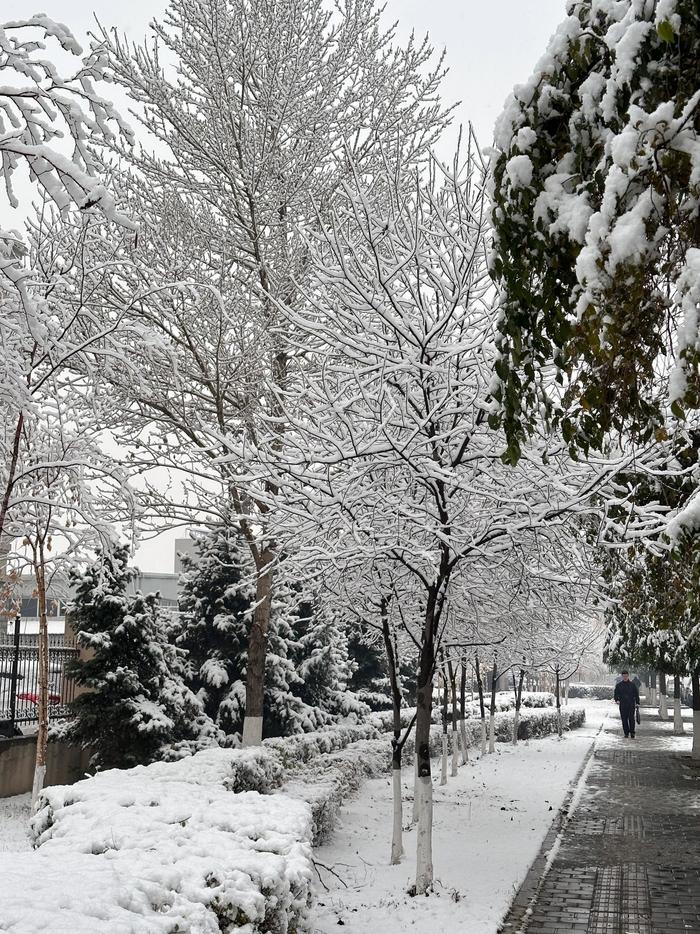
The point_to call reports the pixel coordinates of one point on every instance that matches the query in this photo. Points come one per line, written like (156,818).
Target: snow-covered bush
(596,691)
(328,780)
(295,750)
(383,719)
(164,848)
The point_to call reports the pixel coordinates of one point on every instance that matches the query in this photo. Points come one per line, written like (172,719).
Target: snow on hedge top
(165,848)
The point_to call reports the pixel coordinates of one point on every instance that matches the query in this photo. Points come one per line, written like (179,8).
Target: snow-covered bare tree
(258,111)
(388,433)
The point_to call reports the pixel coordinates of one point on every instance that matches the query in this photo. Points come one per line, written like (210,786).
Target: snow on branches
(596,188)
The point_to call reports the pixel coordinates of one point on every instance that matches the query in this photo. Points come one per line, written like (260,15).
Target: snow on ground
(160,848)
(489,825)
(14,824)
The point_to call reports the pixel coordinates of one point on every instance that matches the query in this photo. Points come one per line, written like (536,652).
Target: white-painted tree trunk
(424,843)
(455,751)
(566,693)
(516,722)
(443,769)
(483,737)
(677,717)
(465,744)
(416,790)
(492,733)
(39,776)
(252,731)
(397,832)
(560,724)
(663,706)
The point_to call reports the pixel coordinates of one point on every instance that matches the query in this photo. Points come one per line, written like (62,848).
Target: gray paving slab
(628,856)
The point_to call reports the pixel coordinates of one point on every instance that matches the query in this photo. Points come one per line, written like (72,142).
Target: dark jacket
(626,693)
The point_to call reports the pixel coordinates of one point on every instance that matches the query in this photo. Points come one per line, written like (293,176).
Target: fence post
(13,679)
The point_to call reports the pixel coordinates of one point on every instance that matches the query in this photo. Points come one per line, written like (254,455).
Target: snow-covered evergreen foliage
(595,205)
(323,662)
(306,658)
(136,706)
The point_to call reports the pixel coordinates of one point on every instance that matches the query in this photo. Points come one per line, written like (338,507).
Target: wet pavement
(623,857)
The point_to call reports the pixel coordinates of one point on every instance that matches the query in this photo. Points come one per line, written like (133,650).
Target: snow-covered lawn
(489,824)
(14,824)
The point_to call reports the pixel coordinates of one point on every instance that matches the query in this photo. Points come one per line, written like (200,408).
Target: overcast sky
(491,45)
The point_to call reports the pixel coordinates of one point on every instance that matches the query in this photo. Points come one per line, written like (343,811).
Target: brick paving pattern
(628,860)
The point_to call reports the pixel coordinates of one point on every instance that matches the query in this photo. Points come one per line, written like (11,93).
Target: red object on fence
(34,698)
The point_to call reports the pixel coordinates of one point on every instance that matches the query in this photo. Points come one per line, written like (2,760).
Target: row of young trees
(282,298)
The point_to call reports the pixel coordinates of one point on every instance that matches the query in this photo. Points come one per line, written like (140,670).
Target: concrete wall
(65,764)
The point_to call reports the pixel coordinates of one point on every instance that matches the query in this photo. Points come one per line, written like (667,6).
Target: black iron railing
(19,679)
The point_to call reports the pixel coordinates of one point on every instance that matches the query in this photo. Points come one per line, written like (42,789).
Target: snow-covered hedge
(302,747)
(505,701)
(164,848)
(534,723)
(326,783)
(595,691)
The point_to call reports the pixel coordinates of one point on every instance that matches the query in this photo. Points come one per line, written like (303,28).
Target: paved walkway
(626,857)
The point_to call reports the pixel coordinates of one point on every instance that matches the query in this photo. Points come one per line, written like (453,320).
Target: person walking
(627,699)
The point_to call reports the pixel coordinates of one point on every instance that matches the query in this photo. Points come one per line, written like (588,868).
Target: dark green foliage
(584,289)
(135,705)
(216,606)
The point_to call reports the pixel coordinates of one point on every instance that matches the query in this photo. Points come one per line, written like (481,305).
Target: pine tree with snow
(323,662)
(216,609)
(369,679)
(136,706)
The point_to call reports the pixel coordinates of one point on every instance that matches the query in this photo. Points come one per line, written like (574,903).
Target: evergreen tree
(323,662)
(216,607)
(369,679)
(136,706)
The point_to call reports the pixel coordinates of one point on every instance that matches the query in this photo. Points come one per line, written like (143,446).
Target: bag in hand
(638,716)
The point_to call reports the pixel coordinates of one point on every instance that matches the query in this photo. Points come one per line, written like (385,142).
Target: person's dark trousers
(627,715)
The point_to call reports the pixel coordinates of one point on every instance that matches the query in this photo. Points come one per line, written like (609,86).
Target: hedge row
(593,691)
(505,701)
(166,848)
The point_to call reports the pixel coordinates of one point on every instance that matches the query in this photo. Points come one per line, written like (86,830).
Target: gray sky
(490,46)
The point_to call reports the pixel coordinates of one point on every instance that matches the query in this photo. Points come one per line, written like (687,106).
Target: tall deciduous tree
(388,437)
(258,118)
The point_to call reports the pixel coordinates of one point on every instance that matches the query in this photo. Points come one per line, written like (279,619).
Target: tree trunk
(257,650)
(463,711)
(695,675)
(558,697)
(518,701)
(492,710)
(677,714)
(396,745)
(42,738)
(443,766)
(663,701)
(10,480)
(424,703)
(455,735)
(566,692)
(480,688)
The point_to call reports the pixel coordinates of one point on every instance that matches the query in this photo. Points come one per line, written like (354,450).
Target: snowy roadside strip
(526,898)
(221,840)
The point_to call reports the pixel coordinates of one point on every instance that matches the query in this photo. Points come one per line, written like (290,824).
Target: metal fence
(19,679)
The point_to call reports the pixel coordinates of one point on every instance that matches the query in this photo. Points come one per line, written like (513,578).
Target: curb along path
(628,857)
